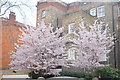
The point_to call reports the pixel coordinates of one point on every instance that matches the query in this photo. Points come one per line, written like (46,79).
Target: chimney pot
(12,16)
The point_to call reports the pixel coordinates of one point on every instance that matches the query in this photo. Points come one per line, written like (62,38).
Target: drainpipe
(57,22)
(113,24)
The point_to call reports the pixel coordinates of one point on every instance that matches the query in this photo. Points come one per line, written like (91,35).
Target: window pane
(43,13)
(93,12)
(101,11)
(119,11)
(71,54)
(71,28)
(103,57)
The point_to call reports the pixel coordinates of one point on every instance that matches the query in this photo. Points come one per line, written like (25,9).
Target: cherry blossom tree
(43,49)
(39,49)
(93,42)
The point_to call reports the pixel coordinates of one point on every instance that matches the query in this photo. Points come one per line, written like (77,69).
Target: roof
(59,4)
(16,23)
(55,1)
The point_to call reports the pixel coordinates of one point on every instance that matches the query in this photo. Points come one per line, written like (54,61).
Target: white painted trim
(69,54)
(15,76)
(43,13)
(118,11)
(98,14)
(69,28)
(93,10)
(102,57)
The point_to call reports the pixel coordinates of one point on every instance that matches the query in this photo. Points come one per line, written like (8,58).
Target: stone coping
(15,76)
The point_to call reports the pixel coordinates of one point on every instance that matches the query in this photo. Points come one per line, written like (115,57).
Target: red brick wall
(75,8)
(9,37)
(10,32)
(51,4)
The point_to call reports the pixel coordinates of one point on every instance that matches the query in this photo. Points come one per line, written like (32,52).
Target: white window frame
(101,11)
(71,28)
(103,57)
(72,54)
(93,12)
(118,11)
(43,13)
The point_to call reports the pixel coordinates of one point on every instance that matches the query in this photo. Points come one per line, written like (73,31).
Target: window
(119,11)
(102,57)
(84,3)
(101,11)
(93,12)
(71,28)
(102,28)
(43,13)
(71,54)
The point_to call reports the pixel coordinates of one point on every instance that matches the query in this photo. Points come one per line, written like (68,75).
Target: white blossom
(40,48)
(92,42)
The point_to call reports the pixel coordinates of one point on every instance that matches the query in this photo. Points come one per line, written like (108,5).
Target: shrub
(35,76)
(48,76)
(76,74)
(108,72)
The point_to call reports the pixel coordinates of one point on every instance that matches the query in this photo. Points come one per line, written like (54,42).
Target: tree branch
(4,4)
(9,8)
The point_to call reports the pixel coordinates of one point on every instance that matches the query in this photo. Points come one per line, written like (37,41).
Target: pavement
(11,74)
(15,77)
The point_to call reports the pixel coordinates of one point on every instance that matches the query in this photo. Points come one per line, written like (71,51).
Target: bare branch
(4,3)
(21,12)
(9,8)
(10,5)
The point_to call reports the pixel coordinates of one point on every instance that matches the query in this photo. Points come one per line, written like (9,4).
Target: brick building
(69,16)
(10,31)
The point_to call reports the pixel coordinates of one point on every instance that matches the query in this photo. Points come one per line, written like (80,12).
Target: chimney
(12,16)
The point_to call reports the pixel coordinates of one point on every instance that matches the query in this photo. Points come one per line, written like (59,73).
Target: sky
(23,14)
(28,15)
